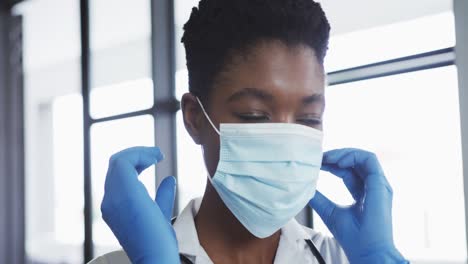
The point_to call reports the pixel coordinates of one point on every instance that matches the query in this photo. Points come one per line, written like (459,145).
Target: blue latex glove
(363,229)
(141,225)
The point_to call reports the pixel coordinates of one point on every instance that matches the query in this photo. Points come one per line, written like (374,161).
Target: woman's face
(274,83)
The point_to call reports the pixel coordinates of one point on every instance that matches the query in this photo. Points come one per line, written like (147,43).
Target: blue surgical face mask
(267,172)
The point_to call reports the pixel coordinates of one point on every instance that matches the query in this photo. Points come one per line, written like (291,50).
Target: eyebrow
(264,96)
(252,93)
(320,98)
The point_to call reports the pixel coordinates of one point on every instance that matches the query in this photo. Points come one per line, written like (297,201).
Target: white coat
(292,247)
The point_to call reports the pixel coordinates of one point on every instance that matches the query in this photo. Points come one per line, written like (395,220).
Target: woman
(255,106)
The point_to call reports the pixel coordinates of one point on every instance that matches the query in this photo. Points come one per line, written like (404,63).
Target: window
(121,101)
(401,39)
(120,42)
(121,98)
(108,138)
(53,132)
(68,174)
(54,203)
(120,57)
(411,121)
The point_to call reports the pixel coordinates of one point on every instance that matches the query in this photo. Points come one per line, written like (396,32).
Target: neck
(225,239)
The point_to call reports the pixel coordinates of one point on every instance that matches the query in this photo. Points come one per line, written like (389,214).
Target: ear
(193,116)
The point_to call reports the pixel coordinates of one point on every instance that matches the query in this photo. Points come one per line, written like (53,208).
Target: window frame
(460,9)
(164,109)
(12,141)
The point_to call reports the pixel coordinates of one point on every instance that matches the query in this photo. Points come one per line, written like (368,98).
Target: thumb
(165,196)
(324,208)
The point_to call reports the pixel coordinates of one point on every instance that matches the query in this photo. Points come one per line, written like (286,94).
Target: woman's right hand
(142,226)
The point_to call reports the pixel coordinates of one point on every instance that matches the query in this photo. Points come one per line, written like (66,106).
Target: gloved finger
(353,183)
(333,156)
(378,192)
(165,196)
(369,169)
(126,165)
(364,163)
(141,157)
(324,208)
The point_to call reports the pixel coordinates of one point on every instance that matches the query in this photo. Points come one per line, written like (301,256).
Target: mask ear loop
(207,117)
(214,127)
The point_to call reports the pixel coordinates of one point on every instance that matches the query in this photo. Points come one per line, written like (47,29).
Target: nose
(284,118)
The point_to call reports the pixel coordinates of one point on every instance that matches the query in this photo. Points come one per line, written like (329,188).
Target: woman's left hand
(363,229)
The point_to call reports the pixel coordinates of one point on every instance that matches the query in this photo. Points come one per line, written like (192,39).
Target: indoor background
(103,75)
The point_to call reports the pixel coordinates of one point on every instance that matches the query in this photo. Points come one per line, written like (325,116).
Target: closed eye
(253,117)
(310,121)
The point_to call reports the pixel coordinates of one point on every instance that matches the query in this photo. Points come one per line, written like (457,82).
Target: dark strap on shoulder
(315,251)
(185,260)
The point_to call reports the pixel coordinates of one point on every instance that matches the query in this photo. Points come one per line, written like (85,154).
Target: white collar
(185,230)
(189,244)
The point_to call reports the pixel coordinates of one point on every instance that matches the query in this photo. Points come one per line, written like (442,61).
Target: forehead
(274,67)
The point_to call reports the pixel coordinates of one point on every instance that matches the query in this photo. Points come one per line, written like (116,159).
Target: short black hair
(219,29)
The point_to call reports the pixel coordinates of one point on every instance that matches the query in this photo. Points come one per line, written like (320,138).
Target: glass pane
(121,53)
(107,139)
(53,131)
(51,30)
(55,223)
(391,41)
(412,122)
(68,173)
(191,171)
(121,98)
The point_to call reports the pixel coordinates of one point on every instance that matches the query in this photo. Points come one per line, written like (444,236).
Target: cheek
(210,139)
(210,149)
(211,156)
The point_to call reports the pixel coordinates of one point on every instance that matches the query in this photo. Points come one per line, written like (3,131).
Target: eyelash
(255,118)
(310,122)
